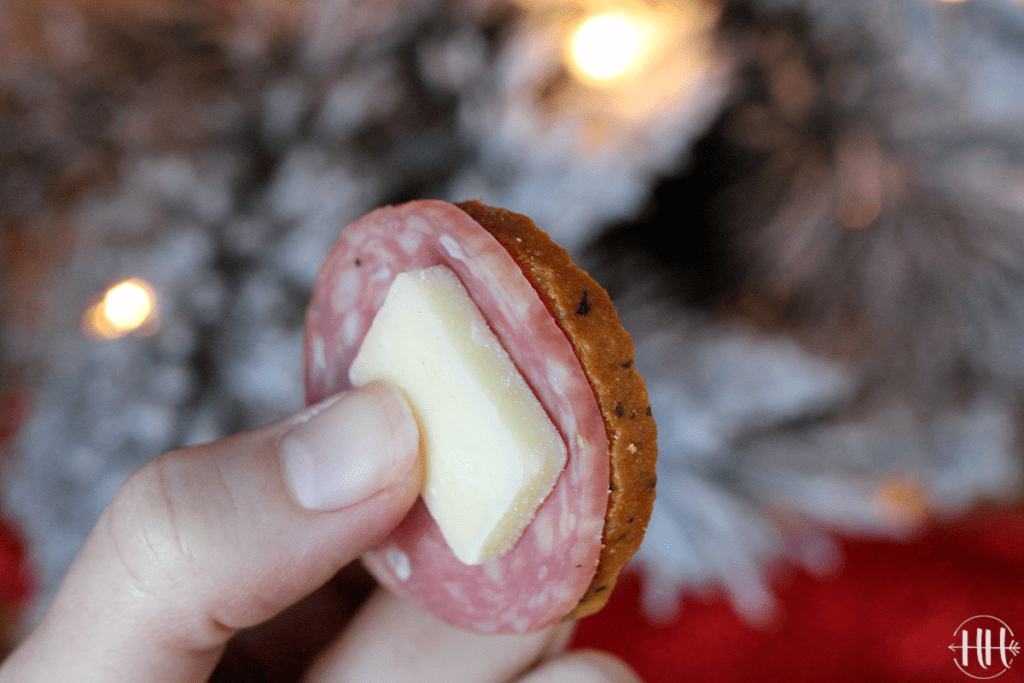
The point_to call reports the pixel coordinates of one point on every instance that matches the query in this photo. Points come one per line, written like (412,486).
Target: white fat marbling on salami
(345,296)
(495,572)
(398,563)
(544,533)
(546,573)
(318,353)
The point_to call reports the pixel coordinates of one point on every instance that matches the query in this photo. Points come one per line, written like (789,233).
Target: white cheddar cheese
(492,453)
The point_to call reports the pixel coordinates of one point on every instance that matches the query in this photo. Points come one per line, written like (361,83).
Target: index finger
(393,640)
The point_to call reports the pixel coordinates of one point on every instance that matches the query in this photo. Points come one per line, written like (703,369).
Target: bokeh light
(605,47)
(126,307)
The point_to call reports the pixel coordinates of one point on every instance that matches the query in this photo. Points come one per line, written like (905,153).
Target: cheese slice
(492,453)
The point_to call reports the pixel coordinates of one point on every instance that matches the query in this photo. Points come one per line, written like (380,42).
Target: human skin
(232,561)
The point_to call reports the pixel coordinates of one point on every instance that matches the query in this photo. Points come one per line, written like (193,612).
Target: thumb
(207,540)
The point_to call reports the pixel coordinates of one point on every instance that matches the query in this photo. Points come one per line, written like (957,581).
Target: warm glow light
(124,308)
(902,502)
(606,46)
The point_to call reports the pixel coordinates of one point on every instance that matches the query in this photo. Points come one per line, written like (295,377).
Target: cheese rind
(492,453)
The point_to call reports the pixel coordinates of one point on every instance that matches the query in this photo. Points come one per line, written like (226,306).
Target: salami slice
(547,572)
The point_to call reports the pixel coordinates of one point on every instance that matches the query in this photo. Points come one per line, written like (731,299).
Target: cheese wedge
(492,453)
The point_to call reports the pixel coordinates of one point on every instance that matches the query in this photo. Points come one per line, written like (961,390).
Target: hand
(216,562)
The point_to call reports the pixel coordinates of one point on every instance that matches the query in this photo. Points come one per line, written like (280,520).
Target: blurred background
(810,215)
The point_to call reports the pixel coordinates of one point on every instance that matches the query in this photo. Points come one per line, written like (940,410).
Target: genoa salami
(543,577)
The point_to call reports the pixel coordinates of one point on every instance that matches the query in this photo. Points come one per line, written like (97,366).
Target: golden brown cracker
(587,316)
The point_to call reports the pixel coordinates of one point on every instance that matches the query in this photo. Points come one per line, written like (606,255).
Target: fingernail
(342,451)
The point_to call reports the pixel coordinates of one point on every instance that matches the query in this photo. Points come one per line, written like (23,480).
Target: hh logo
(986,647)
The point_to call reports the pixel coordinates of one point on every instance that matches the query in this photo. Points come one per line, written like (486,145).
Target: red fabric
(15,577)
(889,615)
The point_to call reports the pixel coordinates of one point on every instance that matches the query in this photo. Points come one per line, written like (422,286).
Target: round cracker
(586,314)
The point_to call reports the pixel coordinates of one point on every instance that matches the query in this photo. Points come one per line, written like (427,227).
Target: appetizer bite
(537,435)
